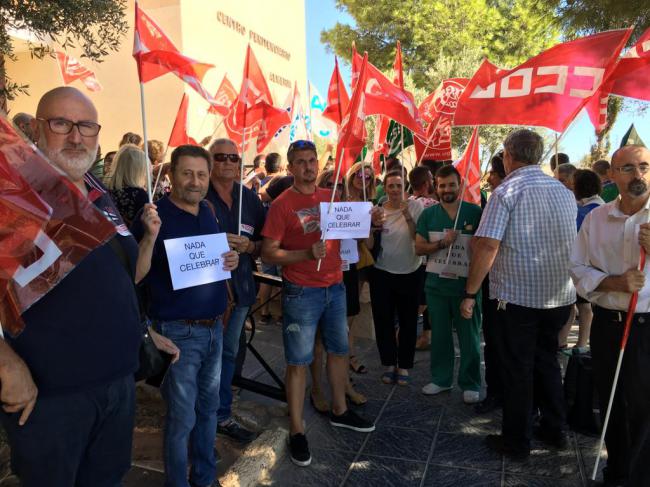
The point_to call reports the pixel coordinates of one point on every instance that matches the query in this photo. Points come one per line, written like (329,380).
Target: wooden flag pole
(428,141)
(145,139)
(329,208)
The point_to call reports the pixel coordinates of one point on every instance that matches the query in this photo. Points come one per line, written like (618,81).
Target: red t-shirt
(294,221)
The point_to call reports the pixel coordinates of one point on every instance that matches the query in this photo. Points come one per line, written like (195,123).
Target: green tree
(506,31)
(94,25)
(588,16)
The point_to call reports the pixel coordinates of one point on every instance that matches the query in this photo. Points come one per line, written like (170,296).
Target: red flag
(469,167)
(156,55)
(382,97)
(72,69)
(438,110)
(179,131)
(631,75)
(548,90)
(253,104)
(352,136)
(224,97)
(46,227)
(337,97)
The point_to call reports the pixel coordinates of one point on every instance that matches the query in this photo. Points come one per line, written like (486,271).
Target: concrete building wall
(209,31)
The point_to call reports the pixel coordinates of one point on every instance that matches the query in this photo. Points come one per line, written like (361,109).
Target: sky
(323,14)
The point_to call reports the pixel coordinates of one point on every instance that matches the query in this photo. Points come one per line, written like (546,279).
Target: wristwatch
(467,295)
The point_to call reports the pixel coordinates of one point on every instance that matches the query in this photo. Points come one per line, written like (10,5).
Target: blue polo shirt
(85,332)
(252,221)
(203,302)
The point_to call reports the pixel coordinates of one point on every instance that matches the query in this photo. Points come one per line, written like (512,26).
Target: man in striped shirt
(525,239)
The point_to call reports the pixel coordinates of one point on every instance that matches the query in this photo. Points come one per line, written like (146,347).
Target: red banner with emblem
(46,227)
(438,110)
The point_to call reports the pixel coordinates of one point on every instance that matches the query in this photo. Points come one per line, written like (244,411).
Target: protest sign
(345,220)
(458,265)
(196,260)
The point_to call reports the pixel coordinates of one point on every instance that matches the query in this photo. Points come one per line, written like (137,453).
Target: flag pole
(243,143)
(329,208)
(626,334)
(144,142)
(363,178)
(310,132)
(401,160)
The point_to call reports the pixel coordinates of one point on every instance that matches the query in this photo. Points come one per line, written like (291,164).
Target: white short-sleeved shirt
(397,253)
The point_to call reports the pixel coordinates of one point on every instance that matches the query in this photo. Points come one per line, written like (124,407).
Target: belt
(614,315)
(208,322)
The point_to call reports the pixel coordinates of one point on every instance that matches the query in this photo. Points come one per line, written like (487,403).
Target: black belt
(619,316)
(207,322)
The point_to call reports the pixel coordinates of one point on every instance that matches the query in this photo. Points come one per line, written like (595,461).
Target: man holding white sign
(184,271)
(311,298)
(443,234)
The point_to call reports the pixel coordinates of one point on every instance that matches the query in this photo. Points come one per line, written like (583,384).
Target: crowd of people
(67,383)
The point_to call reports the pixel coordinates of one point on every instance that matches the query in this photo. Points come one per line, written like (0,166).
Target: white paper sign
(458,265)
(345,220)
(196,260)
(349,251)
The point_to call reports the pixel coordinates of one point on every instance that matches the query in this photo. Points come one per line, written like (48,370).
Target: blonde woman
(129,178)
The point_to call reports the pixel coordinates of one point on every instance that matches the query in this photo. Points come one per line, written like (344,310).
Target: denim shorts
(303,310)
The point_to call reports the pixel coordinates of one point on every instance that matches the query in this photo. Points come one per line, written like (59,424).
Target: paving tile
(455,450)
(142,477)
(369,471)
(323,435)
(462,419)
(370,386)
(437,476)
(528,481)
(548,462)
(400,443)
(415,415)
(327,469)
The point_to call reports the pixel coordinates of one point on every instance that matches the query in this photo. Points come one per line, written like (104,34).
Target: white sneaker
(470,397)
(432,389)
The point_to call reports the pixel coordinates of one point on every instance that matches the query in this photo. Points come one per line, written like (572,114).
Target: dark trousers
(81,439)
(628,435)
(528,348)
(390,294)
(491,350)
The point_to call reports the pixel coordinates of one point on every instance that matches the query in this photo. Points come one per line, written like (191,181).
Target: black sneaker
(299,450)
(232,429)
(496,443)
(555,439)
(351,420)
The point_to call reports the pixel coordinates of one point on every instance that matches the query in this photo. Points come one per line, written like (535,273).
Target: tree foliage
(588,16)
(96,26)
(506,31)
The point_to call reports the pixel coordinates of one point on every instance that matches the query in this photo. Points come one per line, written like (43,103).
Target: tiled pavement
(419,441)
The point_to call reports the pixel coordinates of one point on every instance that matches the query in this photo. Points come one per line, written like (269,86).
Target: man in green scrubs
(445,289)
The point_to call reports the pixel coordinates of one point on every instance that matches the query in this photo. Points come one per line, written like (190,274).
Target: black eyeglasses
(221,157)
(630,168)
(63,126)
(302,145)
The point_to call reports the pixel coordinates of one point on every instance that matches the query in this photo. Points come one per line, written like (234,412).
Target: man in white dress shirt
(604,269)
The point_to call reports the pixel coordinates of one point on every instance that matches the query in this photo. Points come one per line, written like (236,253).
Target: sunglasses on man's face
(222,157)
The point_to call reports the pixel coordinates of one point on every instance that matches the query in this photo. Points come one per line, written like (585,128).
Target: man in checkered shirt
(525,239)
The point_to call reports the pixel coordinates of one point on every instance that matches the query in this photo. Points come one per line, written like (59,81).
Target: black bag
(152,361)
(580,394)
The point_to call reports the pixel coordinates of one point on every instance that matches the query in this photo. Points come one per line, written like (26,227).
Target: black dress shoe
(555,439)
(489,404)
(232,429)
(497,444)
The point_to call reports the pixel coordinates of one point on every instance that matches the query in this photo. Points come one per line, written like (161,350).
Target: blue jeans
(303,310)
(191,390)
(231,334)
(81,439)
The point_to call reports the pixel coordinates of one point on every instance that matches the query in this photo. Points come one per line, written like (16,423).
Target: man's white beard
(73,167)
